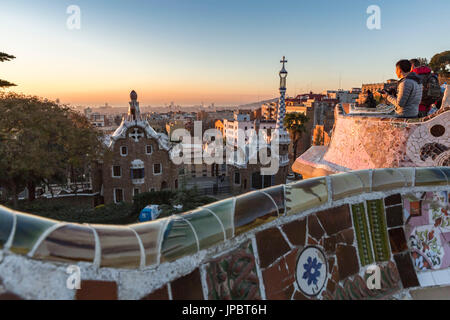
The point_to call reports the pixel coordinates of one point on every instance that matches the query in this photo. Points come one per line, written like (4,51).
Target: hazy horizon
(222,52)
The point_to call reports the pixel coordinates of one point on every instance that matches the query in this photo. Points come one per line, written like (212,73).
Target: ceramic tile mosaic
(207,226)
(370,142)
(387,179)
(393,200)
(406,270)
(335,219)
(347,261)
(97,290)
(378,229)
(252,210)
(305,195)
(430,176)
(28,230)
(345,185)
(224,210)
(271,246)
(159,295)
(427,229)
(365,177)
(179,240)
(150,234)
(296,232)
(119,247)
(193,282)
(56,247)
(279,279)
(394,216)
(233,276)
(6,224)
(311,271)
(277,194)
(362,234)
(356,289)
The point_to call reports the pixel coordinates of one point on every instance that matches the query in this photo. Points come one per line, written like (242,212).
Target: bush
(116,214)
(142,200)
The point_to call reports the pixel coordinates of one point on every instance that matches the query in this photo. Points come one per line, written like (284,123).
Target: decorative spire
(282,103)
(134,111)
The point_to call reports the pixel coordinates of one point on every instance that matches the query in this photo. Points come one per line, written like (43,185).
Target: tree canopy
(42,142)
(440,63)
(6,57)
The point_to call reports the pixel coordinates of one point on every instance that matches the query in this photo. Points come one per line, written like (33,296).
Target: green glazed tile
(306,194)
(377,220)
(345,185)
(387,179)
(6,224)
(362,234)
(150,234)
(224,210)
(277,194)
(207,227)
(68,243)
(253,209)
(364,176)
(28,230)
(430,176)
(179,240)
(119,247)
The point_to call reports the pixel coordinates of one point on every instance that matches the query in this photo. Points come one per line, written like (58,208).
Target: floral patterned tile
(428,230)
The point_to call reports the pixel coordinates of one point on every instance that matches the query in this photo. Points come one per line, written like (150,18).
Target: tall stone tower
(280,135)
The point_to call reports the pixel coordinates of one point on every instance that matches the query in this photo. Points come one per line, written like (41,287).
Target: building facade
(140,160)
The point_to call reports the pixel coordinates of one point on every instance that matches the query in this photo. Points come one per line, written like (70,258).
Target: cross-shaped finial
(283,61)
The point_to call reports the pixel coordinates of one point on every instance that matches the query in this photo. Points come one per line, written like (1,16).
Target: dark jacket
(422,72)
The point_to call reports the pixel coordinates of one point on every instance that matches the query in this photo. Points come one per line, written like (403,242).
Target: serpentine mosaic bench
(312,239)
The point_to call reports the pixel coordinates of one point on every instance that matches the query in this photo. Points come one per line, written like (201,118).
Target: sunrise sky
(223,51)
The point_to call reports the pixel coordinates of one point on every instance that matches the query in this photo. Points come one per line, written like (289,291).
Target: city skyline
(191,52)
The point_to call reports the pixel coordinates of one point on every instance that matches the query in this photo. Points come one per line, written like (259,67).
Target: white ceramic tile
(441,277)
(425,279)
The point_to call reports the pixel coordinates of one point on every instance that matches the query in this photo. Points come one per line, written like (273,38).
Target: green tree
(6,57)
(423,61)
(42,142)
(295,123)
(440,63)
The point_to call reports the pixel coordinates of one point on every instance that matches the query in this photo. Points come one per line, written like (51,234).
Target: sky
(221,51)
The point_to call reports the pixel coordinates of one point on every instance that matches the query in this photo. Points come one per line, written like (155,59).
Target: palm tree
(5,57)
(295,123)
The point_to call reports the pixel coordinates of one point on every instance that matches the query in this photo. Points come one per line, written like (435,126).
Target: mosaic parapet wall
(366,142)
(313,239)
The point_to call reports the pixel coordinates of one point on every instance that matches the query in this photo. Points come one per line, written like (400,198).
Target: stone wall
(313,239)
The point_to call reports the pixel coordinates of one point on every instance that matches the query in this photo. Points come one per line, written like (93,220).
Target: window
(149,149)
(123,151)
(157,168)
(237,178)
(137,173)
(117,171)
(118,195)
(136,192)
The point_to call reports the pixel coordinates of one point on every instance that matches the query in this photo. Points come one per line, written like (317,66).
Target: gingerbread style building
(140,160)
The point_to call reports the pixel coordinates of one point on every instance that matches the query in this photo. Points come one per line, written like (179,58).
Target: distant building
(373,87)
(140,160)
